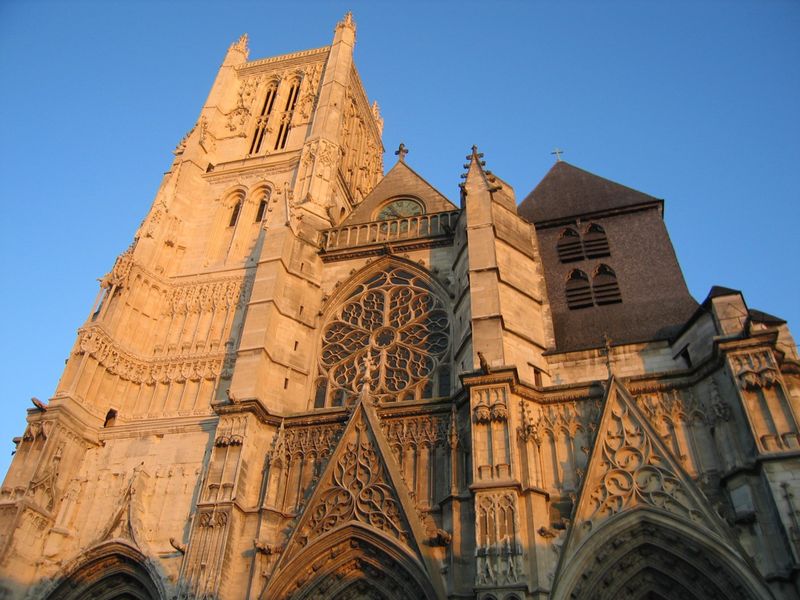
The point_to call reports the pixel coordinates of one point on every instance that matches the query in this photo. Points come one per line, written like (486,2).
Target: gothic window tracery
(391,332)
(605,286)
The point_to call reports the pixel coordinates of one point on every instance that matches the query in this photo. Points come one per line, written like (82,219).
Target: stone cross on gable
(401,152)
(558,152)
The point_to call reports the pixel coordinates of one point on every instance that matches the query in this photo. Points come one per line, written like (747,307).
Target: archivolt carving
(357,491)
(397,320)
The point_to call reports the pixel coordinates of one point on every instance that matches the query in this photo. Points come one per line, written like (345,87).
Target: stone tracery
(396,319)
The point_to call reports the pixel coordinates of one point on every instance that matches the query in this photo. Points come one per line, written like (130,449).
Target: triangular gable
(631,467)
(401,180)
(361,484)
(125,522)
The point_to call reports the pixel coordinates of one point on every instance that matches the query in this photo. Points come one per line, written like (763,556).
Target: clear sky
(694,102)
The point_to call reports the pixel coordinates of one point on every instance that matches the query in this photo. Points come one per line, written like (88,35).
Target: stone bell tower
(214,303)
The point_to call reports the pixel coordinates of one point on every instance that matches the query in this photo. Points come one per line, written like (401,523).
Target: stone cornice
(253,167)
(264,65)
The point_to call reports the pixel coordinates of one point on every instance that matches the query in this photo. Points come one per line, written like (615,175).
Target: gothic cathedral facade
(306,378)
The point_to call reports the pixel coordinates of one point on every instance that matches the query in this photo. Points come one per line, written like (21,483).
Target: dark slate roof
(759,316)
(567,191)
(720,290)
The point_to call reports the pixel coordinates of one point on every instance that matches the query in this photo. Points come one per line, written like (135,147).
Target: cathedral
(309,378)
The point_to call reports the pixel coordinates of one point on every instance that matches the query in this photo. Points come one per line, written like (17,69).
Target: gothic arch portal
(643,554)
(349,563)
(110,571)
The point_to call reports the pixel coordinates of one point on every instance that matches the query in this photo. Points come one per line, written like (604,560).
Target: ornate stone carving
(498,552)
(396,318)
(94,341)
(357,491)
(635,472)
(755,370)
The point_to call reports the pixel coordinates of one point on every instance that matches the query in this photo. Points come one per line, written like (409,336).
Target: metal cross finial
(558,152)
(401,152)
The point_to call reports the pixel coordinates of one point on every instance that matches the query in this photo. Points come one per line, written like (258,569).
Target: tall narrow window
(569,246)
(263,118)
(286,117)
(578,290)
(235,213)
(595,242)
(262,207)
(605,286)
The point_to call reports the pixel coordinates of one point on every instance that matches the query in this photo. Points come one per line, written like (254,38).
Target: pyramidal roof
(567,191)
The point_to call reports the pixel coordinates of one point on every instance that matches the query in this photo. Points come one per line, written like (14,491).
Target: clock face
(400,209)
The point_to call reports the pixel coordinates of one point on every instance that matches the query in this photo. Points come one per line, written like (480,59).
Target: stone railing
(379,232)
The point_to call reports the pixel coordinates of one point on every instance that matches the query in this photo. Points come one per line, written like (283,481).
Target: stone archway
(112,571)
(645,554)
(351,563)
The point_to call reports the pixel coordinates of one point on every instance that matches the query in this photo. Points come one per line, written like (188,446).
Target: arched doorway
(113,571)
(352,563)
(648,555)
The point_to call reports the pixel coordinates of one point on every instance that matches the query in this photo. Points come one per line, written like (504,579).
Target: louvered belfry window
(595,242)
(569,246)
(578,290)
(605,286)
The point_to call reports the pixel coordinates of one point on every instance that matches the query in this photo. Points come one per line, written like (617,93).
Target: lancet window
(263,118)
(595,242)
(286,117)
(605,286)
(572,246)
(578,289)
(569,246)
(392,333)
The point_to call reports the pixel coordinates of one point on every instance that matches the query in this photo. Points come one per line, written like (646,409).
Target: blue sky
(694,102)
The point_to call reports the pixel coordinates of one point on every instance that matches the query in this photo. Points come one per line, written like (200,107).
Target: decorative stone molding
(95,342)
(754,370)
(498,551)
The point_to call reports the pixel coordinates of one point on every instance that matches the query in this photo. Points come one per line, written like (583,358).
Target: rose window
(392,329)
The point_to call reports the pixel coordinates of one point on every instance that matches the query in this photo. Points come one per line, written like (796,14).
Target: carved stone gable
(360,484)
(630,467)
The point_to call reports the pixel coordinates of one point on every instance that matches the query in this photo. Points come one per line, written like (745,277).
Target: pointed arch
(649,551)
(595,241)
(605,286)
(111,570)
(578,290)
(569,245)
(347,559)
(394,316)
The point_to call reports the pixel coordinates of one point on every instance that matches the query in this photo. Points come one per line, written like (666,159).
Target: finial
(241,45)
(347,21)
(607,345)
(376,114)
(558,152)
(476,155)
(401,152)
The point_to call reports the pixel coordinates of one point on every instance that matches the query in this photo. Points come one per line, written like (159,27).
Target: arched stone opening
(350,563)
(647,555)
(112,571)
